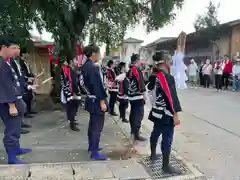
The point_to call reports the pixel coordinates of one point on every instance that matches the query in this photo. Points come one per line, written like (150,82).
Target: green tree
(207,26)
(209,19)
(66,19)
(69,21)
(110,23)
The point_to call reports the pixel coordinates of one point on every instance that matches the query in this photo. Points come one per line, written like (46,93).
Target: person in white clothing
(192,73)
(218,71)
(236,75)
(207,71)
(178,70)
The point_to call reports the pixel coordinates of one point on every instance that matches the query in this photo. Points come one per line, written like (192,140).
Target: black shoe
(32,112)
(167,168)
(124,120)
(75,122)
(113,114)
(28,116)
(138,137)
(26,125)
(74,127)
(153,155)
(24,131)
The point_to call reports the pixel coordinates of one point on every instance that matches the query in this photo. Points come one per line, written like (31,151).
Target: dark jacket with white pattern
(70,84)
(136,84)
(165,99)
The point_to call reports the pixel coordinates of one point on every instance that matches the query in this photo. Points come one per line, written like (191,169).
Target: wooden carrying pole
(181,42)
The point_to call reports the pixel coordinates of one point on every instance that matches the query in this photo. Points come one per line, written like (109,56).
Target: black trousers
(112,100)
(28,97)
(72,109)
(95,128)
(12,123)
(165,128)
(201,79)
(206,78)
(225,79)
(218,81)
(136,115)
(123,105)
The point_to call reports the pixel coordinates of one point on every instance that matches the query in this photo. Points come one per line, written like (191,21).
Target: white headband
(158,62)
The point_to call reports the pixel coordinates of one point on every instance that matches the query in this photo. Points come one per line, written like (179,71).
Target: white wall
(127,49)
(147,53)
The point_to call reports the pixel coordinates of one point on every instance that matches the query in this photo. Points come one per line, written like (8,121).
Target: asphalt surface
(53,142)
(209,134)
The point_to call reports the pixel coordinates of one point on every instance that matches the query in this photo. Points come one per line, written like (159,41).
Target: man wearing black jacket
(165,108)
(112,87)
(122,96)
(28,94)
(136,96)
(24,87)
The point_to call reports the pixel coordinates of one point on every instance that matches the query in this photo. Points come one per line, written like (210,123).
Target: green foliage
(207,25)
(209,19)
(109,24)
(70,20)
(16,20)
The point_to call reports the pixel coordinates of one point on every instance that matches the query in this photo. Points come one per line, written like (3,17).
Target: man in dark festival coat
(24,86)
(28,94)
(95,103)
(12,107)
(164,112)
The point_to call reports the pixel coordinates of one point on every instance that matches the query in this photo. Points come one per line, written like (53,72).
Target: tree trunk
(67,44)
(55,93)
(107,49)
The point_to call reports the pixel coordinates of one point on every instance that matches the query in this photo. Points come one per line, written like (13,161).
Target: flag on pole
(52,57)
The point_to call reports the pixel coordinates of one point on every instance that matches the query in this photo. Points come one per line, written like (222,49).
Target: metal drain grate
(201,178)
(155,169)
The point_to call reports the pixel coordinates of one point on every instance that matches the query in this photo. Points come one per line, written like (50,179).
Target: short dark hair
(7,40)
(134,57)
(90,49)
(161,57)
(226,55)
(122,65)
(110,63)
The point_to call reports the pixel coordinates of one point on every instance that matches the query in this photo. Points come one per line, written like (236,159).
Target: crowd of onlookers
(221,74)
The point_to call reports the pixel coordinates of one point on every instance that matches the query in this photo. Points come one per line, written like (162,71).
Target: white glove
(29,87)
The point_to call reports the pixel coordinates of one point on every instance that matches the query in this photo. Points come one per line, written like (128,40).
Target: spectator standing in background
(236,75)
(227,70)
(218,71)
(207,71)
(201,73)
(192,73)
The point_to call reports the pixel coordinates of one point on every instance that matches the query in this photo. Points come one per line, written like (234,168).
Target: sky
(228,11)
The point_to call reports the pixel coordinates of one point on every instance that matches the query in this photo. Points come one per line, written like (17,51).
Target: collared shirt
(10,89)
(18,66)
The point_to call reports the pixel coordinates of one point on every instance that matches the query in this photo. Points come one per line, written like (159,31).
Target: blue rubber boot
(89,145)
(90,149)
(95,155)
(20,151)
(12,159)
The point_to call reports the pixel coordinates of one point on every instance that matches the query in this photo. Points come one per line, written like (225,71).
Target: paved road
(53,142)
(209,135)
